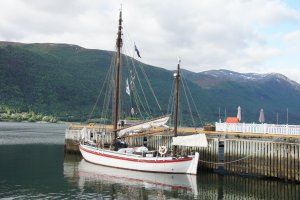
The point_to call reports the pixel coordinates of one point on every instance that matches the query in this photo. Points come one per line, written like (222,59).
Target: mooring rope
(243,158)
(222,163)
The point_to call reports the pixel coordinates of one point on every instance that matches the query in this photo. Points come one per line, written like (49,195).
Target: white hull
(139,163)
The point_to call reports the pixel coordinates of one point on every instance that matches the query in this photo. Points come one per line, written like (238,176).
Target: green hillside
(64,81)
(51,79)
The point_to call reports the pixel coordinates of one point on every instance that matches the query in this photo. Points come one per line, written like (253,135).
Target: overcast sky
(257,36)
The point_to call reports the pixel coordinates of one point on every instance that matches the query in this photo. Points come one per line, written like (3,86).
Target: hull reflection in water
(85,173)
(109,183)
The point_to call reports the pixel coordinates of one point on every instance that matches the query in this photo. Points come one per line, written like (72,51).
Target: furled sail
(198,140)
(83,133)
(137,128)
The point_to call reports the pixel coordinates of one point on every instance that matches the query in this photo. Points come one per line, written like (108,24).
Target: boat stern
(194,165)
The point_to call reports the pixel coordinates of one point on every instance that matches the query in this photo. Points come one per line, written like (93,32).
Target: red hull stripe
(136,160)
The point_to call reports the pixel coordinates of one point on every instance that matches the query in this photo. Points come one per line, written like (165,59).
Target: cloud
(293,39)
(213,34)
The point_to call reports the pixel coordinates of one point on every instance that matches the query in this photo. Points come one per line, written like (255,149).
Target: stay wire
(193,101)
(188,103)
(142,90)
(102,88)
(137,97)
(146,78)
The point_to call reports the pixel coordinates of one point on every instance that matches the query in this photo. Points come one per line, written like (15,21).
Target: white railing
(259,128)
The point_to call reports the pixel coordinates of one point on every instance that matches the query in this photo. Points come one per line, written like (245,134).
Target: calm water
(33,166)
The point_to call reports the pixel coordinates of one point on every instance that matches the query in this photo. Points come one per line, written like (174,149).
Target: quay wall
(275,156)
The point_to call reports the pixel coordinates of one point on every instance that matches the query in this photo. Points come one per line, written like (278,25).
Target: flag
(137,51)
(127,87)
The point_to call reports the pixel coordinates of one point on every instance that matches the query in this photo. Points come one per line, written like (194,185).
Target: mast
(176,105)
(117,78)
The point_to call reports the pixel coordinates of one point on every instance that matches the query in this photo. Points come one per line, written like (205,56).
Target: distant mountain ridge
(228,75)
(63,80)
(235,76)
(273,91)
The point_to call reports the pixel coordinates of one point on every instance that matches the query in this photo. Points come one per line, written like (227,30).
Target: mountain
(49,78)
(64,81)
(273,92)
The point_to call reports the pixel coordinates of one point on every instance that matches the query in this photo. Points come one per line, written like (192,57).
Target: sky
(246,36)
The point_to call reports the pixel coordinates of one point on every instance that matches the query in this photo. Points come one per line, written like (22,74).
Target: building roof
(232,120)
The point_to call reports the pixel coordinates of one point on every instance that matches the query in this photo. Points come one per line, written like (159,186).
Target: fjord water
(33,166)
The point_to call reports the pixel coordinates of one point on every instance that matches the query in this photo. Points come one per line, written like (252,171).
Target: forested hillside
(64,81)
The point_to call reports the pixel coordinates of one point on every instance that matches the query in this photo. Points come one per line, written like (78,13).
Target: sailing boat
(139,158)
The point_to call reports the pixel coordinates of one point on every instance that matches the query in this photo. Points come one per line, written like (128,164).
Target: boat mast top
(119,44)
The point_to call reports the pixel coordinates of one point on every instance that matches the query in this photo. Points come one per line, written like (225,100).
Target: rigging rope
(193,101)
(151,89)
(142,90)
(139,105)
(171,102)
(188,96)
(141,87)
(141,67)
(188,103)
(101,90)
(108,92)
(135,93)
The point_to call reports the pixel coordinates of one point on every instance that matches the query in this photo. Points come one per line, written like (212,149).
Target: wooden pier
(266,155)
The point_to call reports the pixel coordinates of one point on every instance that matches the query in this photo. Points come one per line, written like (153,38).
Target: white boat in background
(118,155)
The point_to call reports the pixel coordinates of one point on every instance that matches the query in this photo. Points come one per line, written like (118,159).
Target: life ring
(162,150)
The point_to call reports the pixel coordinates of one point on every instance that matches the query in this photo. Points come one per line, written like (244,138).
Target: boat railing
(284,129)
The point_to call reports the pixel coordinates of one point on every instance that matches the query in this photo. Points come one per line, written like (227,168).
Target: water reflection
(214,186)
(112,182)
(33,166)
(123,184)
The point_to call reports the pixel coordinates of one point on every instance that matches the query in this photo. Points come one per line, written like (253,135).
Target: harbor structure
(266,154)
